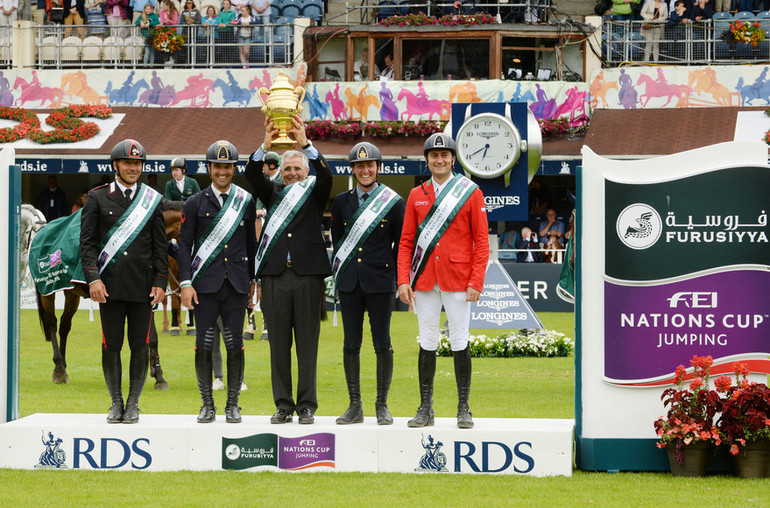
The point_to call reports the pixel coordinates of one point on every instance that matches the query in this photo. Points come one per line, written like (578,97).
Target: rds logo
(110,453)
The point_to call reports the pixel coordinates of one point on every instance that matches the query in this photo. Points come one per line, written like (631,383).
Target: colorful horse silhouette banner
(680,87)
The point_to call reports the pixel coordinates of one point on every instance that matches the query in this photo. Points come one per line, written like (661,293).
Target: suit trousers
(292,311)
(458,312)
(379,306)
(115,313)
(228,304)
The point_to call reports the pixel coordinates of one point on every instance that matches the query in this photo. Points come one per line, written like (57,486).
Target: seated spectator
(701,10)
(550,224)
(678,15)
(148,20)
(387,72)
(528,247)
(553,249)
(655,14)
(361,67)
(245,21)
(97,21)
(621,10)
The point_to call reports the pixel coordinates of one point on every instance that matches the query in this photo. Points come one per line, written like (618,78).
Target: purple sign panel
(650,330)
(314,450)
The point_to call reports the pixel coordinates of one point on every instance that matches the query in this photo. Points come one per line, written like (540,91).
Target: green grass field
(511,388)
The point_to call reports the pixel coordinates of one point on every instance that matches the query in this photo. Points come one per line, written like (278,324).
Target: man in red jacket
(442,260)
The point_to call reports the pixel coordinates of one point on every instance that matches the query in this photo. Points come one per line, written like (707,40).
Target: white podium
(536,447)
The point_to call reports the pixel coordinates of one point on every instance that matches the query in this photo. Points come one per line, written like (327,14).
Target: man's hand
(405,294)
(189,297)
(472,295)
(157,294)
(98,292)
(298,129)
(271,133)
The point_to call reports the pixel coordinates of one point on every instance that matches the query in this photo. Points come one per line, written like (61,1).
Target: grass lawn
(513,388)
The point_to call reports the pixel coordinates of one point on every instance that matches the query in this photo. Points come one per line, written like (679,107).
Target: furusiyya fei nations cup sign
(686,273)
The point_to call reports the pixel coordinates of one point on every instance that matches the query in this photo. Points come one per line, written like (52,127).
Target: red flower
(723,383)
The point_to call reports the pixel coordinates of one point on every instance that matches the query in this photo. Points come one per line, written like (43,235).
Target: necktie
(128,196)
(365,196)
(224,198)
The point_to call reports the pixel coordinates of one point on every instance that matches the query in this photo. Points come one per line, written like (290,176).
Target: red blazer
(459,260)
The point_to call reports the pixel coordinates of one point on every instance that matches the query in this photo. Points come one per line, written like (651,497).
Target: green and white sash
(361,225)
(457,191)
(281,214)
(219,232)
(128,227)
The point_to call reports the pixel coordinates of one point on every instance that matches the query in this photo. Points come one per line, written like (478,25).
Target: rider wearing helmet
(443,267)
(123,253)
(366,275)
(216,267)
(180,187)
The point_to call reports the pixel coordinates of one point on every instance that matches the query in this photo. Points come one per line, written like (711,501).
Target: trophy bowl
(281,103)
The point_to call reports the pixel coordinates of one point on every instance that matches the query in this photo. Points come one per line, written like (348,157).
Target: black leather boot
(354,413)
(384,377)
(113,373)
(235,364)
(203,371)
(137,373)
(426,368)
(463,378)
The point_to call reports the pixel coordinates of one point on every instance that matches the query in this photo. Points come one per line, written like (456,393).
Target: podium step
(536,447)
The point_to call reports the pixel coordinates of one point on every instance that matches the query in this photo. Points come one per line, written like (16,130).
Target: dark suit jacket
(303,237)
(521,243)
(144,263)
(235,261)
(374,267)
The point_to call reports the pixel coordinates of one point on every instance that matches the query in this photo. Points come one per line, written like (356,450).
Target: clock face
(488,145)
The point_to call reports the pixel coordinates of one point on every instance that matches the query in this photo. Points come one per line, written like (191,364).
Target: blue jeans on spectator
(626,17)
(746,5)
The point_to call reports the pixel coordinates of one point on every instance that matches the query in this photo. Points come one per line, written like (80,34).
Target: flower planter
(696,457)
(753,460)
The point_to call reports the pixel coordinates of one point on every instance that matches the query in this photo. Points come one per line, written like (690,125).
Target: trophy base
(283,143)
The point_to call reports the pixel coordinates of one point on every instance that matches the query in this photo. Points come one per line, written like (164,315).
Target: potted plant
(743,32)
(745,422)
(687,432)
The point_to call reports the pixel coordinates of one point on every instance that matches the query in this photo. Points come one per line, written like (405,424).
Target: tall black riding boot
(426,369)
(137,372)
(113,373)
(235,364)
(463,378)
(203,371)
(384,377)
(354,413)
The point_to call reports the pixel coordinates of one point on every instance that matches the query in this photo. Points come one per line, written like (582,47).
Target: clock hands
(485,148)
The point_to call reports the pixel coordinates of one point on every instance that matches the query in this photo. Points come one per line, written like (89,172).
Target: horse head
(404,93)
(19,83)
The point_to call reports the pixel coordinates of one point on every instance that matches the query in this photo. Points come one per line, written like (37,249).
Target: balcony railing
(691,44)
(206,46)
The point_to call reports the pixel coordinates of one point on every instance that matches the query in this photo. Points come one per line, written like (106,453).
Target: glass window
(439,59)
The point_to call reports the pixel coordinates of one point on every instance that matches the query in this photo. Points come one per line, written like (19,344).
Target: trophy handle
(300,91)
(262,91)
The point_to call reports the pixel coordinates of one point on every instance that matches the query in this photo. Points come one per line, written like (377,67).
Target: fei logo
(304,452)
(693,300)
(639,226)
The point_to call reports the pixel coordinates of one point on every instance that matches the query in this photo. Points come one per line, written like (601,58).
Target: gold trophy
(281,104)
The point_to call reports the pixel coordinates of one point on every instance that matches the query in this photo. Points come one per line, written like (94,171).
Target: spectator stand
(273,45)
(374,11)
